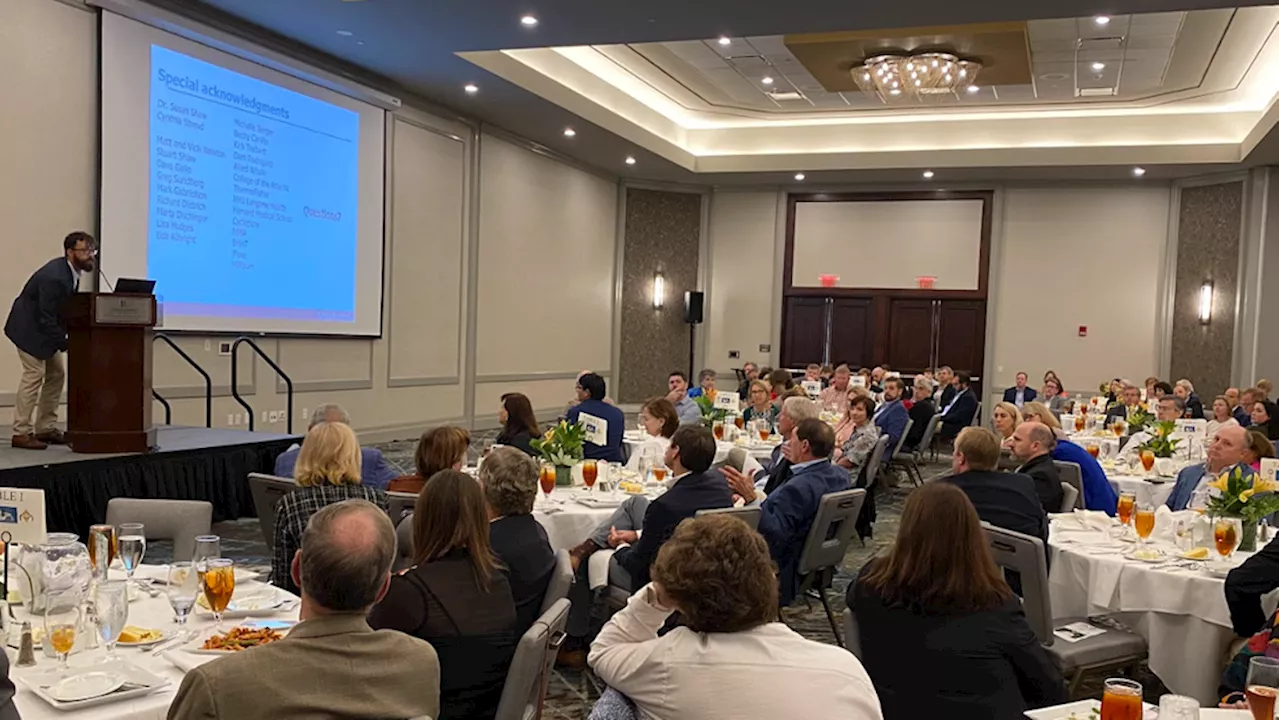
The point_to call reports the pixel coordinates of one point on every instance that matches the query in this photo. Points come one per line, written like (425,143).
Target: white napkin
(598,568)
(185,661)
(154,573)
(1082,520)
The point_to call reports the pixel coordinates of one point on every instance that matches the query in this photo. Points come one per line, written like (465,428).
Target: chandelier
(923,75)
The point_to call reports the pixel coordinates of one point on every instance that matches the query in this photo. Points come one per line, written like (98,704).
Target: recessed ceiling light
(570,132)
(630,160)
(799,176)
(894,91)
(1101,20)
(766,80)
(1139,172)
(724,40)
(927,174)
(971,89)
(471,88)
(1099,66)
(345,33)
(529,21)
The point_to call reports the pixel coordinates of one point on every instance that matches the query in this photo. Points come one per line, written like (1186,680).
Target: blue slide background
(230,236)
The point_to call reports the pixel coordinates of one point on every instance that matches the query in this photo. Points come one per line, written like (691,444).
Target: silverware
(182,637)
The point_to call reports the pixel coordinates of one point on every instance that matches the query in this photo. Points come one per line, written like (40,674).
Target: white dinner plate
(86,685)
(135,682)
(196,646)
(255,599)
(164,635)
(1082,710)
(1150,555)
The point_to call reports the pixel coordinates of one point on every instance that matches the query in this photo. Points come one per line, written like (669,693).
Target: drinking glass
(111,612)
(1124,506)
(1179,707)
(207,546)
(1144,521)
(1121,699)
(1093,450)
(219,585)
(132,545)
(547,479)
(106,536)
(737,421)
(660,473)
(1118,426)
(62,617)
(1148,460)
(184,585)
(1080,421)
(589,472)
(1226,535)
(1260,687)
(717,429)
(764,430)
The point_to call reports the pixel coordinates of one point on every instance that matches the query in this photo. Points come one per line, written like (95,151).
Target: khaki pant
(40,389)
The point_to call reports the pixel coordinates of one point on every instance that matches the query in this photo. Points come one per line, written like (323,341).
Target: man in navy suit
(36,327)
(591,391)
(1019,394)
(891,417)
(1225,452)
(959,414)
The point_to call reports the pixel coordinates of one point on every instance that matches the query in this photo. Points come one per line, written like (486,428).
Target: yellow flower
(1244,496)
(1221,482)
(1261,484)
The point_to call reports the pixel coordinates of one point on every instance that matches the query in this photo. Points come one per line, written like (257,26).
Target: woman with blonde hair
(442,448)
(759,403)
(1005,419)
(328,471)
(1038,412)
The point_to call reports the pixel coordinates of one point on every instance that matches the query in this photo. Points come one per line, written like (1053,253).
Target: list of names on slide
(253,195)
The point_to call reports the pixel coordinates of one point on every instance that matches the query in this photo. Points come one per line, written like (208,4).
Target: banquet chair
(404,543)
(526,684)
(400,505)
(825,546)
(177,520)
(1069,497)
(561,580)
(749,514)
(910,461)
(875,462)
(852,641)
(1111,649)
(1069,473)
(977,416)
(266,491)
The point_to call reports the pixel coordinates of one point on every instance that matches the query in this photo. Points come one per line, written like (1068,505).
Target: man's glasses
(91,252)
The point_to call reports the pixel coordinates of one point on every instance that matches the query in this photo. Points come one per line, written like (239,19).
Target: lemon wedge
(1200,553)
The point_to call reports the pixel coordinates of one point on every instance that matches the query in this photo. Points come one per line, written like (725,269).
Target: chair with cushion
(1069,497)
(404,543)
(1112,649)
(977,416)
(824,548)
(851,636)
(177,520)
(400,505)
(910,460)
(750,514)
(1069,473)
(266,491)
(561,580)
(526,684)
(875,461)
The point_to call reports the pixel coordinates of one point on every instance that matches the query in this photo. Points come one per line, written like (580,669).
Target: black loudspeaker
(693,307)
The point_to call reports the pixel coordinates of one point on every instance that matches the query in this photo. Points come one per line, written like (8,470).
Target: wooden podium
(109,372)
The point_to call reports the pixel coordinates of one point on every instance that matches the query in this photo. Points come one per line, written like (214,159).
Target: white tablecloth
(145,612)
(756,450)
(1147,493)
(1181,612)
(572,522)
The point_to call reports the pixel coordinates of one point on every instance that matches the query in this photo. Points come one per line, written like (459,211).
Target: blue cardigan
(1098,493)
(785,517)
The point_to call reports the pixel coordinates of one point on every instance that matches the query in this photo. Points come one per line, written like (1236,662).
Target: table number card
(812,387)
(1193,430)
(858,381)
(22,515)
(726,401)
(597,428)
(1270,469)
(893,373)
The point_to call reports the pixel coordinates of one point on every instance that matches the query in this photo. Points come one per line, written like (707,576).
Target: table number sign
(858,381)
(597,428)
(812,387)
(726,401)
(1193,430)
(893,373)
(22,515)
(1270,469)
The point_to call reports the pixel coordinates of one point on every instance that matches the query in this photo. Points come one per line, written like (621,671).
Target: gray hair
(509,478)
(1186,384)
(923,382)
(1044,435)
(799,408)
(707,373)
(322,412)
(344,566)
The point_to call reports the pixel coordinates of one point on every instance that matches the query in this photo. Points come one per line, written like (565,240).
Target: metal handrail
(235,387)
(208,382)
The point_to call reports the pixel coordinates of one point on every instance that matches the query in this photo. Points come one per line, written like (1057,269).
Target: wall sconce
(1206,302)
(659,290)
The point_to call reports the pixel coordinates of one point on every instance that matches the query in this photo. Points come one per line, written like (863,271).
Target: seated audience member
(778,469)
(332,664)
(892,415)
(1150,385)
(455,597)
(591,391)
(876,379)
(716,572)
(577,396)
(1006,500)
(327,472)
(946,388)
(519,426)
(706,385)
(1162,389)
(1263,420)
(921,413)
(509,479)
(959,413)
(1005,418)
(785,516)
(1097,490)
(1032,445)
(658,416)
(856,437)
(374,468)
(780,382)
(942,634)
(1265,388)
(867,382)
(442,448)
(1244,589)
(1257,447)
(1232,394)
(1225,452)
(1054,397)
(1019,394)
(678,393)
(1244,410)
(1051,375)
(1186,392)
(1130,401)
(751,373)
(1168,408)
(1221,416)
(825,375)
(760,403)
(836,397)
(813,373)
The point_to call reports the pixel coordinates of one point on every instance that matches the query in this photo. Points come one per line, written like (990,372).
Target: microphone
(97,267)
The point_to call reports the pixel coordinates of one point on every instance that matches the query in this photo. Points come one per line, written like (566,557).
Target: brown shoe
(52,437)
(572,659)
(28,442)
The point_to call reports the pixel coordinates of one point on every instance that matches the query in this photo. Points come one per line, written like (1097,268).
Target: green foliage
(1237,494)
(1162,443)
(562,444)
(707,407)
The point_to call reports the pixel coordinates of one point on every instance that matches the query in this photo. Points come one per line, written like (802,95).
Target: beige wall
(742,290)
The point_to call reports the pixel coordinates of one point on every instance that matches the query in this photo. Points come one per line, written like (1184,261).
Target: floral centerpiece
(562,447)
(1141,419)
(1248,496)
(710,413)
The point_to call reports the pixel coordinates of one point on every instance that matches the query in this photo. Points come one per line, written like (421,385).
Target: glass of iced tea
(104,536)
(659,473)
(1144,521)
(717,429)
(547,480)
(1148,460)
(1118,426)
(1093,450)
(737,421)
(1124,507)
(1121,699)
(219,585)
(589,471)
(1226,535)
(1260,687)
(1080,420)
(764,429)
(62,616)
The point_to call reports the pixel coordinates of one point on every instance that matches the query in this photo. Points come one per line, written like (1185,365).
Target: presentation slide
(260,210)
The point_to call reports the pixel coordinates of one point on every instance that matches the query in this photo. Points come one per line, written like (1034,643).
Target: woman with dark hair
(1257,447)
(729,657)
(442,448)
(780,381)
(856,435)
(1263,418)
(519,426)
(660,421)
(1053,396)
(454,597)
(941,633)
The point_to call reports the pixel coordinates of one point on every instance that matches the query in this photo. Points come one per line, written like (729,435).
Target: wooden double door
(909,333)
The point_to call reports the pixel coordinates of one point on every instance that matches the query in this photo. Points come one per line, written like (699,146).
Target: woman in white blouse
(730,658)
(1221,417)
(659,418)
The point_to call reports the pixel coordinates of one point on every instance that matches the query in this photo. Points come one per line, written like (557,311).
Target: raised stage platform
(188,463)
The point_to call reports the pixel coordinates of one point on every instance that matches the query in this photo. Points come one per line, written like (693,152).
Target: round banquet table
(756,450)
(569,522)
(1180,611)
(147,612)
(1146,492)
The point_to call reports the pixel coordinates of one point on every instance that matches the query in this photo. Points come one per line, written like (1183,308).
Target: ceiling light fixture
(923,75)
(766,80)
(529,21)
(471,88)
(972,89)
(1139,172)
(1099,66)
(345,33)
(630,160)
(724,41)
(1101,20)
(799,176)
(927,174)
(570,132)
(1206,302)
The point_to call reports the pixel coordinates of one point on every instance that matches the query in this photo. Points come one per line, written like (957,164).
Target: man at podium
(36,327)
